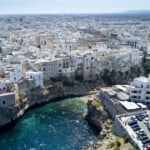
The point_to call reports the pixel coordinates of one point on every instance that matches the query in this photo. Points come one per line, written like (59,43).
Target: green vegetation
(118,143)
(79,77)
(125,139)
(146,66)
(133,148)
(107,77)
(97,104)
(111,145)
(68,83)
(57,79)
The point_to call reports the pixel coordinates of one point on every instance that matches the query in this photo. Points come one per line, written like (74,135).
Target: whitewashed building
(7,100)
(140,90)
(15,73)
(2,86)
(37,76)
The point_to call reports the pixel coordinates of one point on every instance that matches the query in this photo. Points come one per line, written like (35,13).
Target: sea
(53,126)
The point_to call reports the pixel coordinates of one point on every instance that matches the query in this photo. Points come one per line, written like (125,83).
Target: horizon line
(81,13)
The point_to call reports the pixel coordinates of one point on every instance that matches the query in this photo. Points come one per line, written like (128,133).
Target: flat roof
(142,105)
(129,105)
(5,94)
(111,92)
(33,72)
(122,96)
(120,87)
(142,79)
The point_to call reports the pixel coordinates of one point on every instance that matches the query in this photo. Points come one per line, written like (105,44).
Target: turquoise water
(54,126)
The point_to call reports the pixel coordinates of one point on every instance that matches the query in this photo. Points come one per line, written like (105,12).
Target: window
(134,97)
(4,88)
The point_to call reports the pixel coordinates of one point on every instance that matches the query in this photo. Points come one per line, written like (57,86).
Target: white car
(145,121)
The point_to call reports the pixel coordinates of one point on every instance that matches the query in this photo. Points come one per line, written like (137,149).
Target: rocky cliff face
(37,97)
(110,78)
(96,116)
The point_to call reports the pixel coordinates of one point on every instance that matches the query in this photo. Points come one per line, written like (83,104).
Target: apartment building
(37,76)
(140,90)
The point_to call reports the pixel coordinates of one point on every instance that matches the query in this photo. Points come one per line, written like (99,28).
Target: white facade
(67,47)
(37,76)
(135,57)
(68,71)
(2,86)
(7,100)
(140,90)
(78,62)
(15,73)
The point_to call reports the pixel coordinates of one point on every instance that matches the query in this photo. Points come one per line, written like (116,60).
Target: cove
(53,126)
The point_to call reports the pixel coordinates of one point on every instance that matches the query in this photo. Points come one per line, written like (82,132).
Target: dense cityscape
(46,57)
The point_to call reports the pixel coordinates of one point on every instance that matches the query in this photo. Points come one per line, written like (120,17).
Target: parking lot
(137,126)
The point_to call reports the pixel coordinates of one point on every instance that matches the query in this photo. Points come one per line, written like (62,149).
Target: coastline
(105,133)
(15,113)
(101,120)
(105,137)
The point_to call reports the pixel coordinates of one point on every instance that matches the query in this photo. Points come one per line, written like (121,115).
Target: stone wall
(118,129)
(111,106)
(7,100)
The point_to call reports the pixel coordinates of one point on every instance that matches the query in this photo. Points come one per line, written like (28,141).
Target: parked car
(133,118)
(143,137)
(146,141)
(139,117)
(145,121)
(148,125)
(136,128)
(132,122)
(147,146)
(139,133)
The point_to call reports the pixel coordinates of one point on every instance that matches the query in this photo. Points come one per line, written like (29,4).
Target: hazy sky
(70,6)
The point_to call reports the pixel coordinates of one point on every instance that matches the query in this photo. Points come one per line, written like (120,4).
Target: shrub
(111,145)
(118,144)
(68,83)
(126,139)
(79,77)
(116,148)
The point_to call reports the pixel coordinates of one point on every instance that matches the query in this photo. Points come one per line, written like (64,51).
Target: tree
(146,66)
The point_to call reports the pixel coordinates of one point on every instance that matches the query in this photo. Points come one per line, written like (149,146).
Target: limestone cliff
(96,116)
(38,96)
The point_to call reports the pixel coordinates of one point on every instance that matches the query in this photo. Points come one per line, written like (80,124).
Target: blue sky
(70,6)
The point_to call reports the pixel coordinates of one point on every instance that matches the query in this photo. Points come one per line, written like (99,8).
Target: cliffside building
(140,90)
